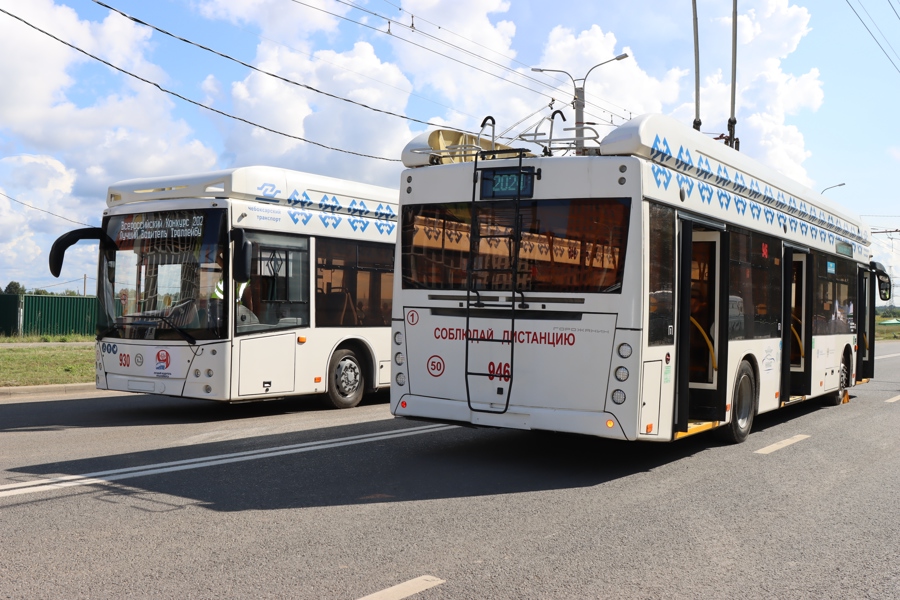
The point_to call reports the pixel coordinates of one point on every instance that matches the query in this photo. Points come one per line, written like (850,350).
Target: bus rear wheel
(345,379)
(838,397)
(743,407)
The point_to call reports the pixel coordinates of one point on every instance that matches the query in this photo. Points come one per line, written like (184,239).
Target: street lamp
(579,99)
(832,186)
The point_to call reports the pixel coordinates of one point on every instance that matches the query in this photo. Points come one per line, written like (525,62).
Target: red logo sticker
(163,359)
(412,317)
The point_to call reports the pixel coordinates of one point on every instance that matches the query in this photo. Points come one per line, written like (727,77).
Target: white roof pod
(269,184)
(443,146)
(672,145)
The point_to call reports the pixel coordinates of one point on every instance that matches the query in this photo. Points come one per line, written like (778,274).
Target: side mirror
(62,243)
(884,286)
(243,253)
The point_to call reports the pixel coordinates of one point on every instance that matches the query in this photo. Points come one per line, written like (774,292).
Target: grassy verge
(46,365)
(32,339)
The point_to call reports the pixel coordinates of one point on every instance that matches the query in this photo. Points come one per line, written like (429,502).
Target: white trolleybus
(245,284)
(656,285)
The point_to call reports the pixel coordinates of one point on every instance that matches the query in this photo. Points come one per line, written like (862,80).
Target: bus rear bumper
(600,424)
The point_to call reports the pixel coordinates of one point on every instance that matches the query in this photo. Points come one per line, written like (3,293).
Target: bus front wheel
(743,406)
(345,380)
(837,397)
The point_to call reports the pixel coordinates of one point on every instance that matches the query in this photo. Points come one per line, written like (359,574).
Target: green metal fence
(47,315)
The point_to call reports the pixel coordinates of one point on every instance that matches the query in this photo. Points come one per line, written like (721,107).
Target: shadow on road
(449,463)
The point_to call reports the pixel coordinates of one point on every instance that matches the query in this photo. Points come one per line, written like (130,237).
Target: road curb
(33,390)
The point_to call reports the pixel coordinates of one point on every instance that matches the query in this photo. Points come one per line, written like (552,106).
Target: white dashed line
(102,477)
(781,444)
(886,356)
(406,589)
(890,400)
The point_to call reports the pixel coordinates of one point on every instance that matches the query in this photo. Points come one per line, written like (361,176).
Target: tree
(14,287)
(41,292)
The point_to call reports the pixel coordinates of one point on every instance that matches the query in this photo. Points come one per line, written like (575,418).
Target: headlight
(618,396)
(401,379)
(621,373)
(398,337)
(399,358)
(625,350)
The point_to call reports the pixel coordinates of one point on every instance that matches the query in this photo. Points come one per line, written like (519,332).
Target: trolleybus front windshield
(575,246)
(164,279)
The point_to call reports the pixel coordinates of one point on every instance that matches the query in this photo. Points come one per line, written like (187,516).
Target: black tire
(837,398)
(346,382)
(743,407)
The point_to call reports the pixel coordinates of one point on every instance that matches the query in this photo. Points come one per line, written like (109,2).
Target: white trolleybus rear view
(246,284)
(657,285)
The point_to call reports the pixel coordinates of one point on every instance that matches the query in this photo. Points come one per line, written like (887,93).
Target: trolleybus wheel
(345,380)
(838,397)
(743,406)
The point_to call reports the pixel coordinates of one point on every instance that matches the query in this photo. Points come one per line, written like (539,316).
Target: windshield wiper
(184,334)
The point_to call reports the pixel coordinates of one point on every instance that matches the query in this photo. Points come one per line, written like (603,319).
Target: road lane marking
(894,399)
(405,589)
(101,477)
(781,444)
(886,356)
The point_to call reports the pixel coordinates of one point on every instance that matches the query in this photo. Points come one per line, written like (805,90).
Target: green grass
(32,339)
(46,365)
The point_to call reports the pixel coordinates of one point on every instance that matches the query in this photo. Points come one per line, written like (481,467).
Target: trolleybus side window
(662,275)
(835,286)
(354,283)
(754,303)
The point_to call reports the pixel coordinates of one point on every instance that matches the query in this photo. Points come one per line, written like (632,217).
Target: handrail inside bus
(799,341)
(709,344)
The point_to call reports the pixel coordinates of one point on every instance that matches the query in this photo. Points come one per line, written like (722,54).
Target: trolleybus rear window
(575,246)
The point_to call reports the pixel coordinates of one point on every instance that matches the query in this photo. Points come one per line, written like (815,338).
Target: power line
(270,74)
(194,102)
(875,23)
(41,209)
(873,36)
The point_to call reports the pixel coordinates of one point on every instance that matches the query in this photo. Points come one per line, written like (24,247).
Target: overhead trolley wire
(873,36)
(413,16)
(268,73)
(25,204)
(195,102)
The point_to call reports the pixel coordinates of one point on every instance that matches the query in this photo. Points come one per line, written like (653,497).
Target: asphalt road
(111,496)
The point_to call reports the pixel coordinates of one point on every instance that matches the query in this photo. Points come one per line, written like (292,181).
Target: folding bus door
(796,325)
(702,342)
(864,319)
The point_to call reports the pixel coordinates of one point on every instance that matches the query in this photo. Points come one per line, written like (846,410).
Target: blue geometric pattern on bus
(332,220)
(755,210)
(739,183)
(706,192)
(804,227)
(703,168)
(830,238)
(660,150)
(780,199)
(269,190)
(769,195)
(685,183)
(358,224)
(770,215)
(740,205)
(754,189)
(782,220)
(329,204)
(722,177)
(358,208)
(384,211)
(683,162)
(802,208)
(724,199)
(300,216)
(793,224)
(385,227)
(302,199)
(662,175)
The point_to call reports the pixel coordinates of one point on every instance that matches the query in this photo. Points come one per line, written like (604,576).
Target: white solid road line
(890,400)
(101,477)
(405,589)
(781,444)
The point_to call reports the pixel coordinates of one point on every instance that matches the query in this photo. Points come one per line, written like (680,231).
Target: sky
(817,89)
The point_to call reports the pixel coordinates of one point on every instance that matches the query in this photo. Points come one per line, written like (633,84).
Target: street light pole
(579,99)
(832,186)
